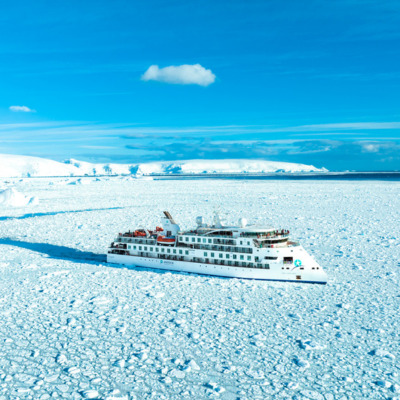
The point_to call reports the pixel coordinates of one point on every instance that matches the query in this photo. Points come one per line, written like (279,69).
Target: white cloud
(181,75)
(370,147)
(21,109)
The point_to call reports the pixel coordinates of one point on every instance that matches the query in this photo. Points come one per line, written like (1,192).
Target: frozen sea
(73,326)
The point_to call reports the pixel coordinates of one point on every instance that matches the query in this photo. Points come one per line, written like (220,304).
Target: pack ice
(75,327)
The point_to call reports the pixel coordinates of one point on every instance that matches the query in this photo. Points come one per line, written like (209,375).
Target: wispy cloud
(181,75)
(21,109)
(342,148)
(129,131)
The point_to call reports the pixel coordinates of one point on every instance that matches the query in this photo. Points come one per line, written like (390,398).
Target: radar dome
(242,222)
(200,221)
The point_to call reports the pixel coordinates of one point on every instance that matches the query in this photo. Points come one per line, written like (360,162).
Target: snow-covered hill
(24,166)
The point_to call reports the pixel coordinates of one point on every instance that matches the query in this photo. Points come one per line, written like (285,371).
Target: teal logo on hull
(297,263)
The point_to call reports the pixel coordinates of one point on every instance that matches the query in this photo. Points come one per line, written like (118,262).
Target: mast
(169,216)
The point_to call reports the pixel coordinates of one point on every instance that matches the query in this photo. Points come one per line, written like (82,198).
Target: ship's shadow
(56,252)
(45,214)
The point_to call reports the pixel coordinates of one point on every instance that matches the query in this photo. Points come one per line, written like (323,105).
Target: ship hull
(275,273)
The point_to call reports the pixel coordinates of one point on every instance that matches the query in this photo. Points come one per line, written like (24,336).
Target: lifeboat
(139,233)
(159,229)
(166,239)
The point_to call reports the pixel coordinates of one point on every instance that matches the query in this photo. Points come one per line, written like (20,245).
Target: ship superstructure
(231,251)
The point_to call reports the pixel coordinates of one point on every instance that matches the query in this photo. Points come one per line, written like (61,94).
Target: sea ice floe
(215,387)
(61,359)
(167,332)
(302,363)
(90,394)
(10,197)
(310,345)
(312,395)
(73,370)
(120,363)
(383,353)
(176,373)
(293,385)
(384,384)
(193,365)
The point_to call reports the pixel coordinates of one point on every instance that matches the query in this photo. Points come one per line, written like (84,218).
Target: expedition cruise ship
(242,251)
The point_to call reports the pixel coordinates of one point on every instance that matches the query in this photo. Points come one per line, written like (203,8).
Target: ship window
(227,256)
(193,239)
(241,242)
(242,257)
(144,248)
(248,258)
(198,240)
(205,254)
(220,255)
(209,240)
(140,247)
(157,249)
(234,256)
(151,249)
(186,239)
(162,250)
(186,252)
(134,247)
(180,251)
(266,266)
(174,251)
(212,254)
(204,240)
(168,250)
(243,264)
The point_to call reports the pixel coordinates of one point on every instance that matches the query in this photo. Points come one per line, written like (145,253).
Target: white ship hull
(275,273)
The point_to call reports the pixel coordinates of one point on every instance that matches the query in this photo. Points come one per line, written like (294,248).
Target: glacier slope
(72,326)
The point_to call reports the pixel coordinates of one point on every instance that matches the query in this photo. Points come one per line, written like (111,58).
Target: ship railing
(223,237)
(118,246)
(268,235)
(135,240)
(210,247)
(225,241)
(238,264)
(279,245)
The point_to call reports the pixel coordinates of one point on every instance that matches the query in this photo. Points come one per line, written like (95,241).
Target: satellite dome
(200,221)
(242,222)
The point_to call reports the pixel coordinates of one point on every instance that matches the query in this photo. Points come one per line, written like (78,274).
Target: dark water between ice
(332,176)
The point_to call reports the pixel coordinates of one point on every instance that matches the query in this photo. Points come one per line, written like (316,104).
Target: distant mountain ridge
(13,166)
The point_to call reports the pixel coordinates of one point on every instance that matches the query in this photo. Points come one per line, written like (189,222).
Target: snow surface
(24,166)
(73,326)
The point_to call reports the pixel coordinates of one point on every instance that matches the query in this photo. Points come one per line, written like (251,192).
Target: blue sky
(314,82)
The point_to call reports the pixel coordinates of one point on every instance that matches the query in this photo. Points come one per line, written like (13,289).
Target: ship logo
(297,263)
